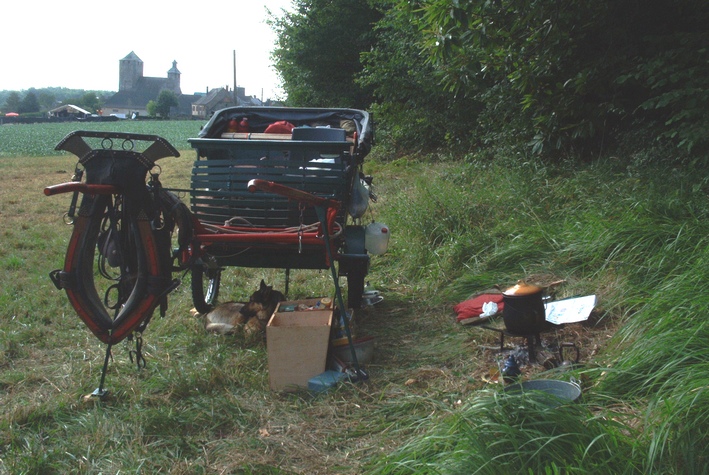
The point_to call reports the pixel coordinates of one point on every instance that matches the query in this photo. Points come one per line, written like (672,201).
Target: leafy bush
(673,77)
(577,77)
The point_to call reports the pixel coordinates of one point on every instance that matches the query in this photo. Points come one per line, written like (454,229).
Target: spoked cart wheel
(205,286)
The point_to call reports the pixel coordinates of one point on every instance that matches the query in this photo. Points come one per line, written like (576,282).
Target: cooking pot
(523,310)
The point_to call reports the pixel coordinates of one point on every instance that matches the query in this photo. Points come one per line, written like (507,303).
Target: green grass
(202,405)
(634,236)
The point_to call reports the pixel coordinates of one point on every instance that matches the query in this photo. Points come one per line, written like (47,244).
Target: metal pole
(236,101)
(100,392)
(322,216)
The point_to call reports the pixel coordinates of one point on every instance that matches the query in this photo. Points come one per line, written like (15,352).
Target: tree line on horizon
(572,77)
(40,100)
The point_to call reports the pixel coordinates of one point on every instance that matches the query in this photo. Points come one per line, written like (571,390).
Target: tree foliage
(151,108)
(13,101)
(50,97)
(90,101)
(318,49)
(47,100)
(577,70)
(29,103)
(161,106)
(406,87)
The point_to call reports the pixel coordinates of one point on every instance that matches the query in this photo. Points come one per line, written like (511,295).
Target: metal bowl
(560,391)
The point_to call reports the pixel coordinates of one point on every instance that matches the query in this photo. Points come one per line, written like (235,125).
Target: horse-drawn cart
(318,164)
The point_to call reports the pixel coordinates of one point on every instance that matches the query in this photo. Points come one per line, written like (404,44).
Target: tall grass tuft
(665,362)
(635,237)
(502,433)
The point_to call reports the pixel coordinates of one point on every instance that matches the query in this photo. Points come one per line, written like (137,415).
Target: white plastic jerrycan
(376,238)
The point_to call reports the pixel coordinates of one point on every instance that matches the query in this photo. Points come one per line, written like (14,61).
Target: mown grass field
(630,231)
(202,405)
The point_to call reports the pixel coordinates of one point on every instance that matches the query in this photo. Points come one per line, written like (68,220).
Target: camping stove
(554,354)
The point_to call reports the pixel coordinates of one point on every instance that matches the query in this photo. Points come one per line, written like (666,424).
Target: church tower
(130,70)
(173,79)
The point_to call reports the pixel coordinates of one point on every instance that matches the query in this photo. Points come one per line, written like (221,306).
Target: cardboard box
(297,343)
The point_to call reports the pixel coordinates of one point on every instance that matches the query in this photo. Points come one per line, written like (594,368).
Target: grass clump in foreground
(634,236)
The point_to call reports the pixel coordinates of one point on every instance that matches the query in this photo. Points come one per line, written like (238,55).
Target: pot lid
(522,288)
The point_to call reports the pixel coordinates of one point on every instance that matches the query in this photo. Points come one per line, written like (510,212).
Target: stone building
(135,90)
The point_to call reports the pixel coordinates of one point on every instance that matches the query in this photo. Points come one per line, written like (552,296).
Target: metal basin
(560,392)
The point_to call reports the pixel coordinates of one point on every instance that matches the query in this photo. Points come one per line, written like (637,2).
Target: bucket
(364,350)
(376,238)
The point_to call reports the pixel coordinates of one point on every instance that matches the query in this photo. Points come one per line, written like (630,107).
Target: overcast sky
(78,43)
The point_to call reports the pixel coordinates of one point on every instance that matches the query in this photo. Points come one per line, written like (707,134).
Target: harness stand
(119,234)
(100,392)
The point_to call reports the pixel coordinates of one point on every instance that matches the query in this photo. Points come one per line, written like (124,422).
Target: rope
(291,230)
